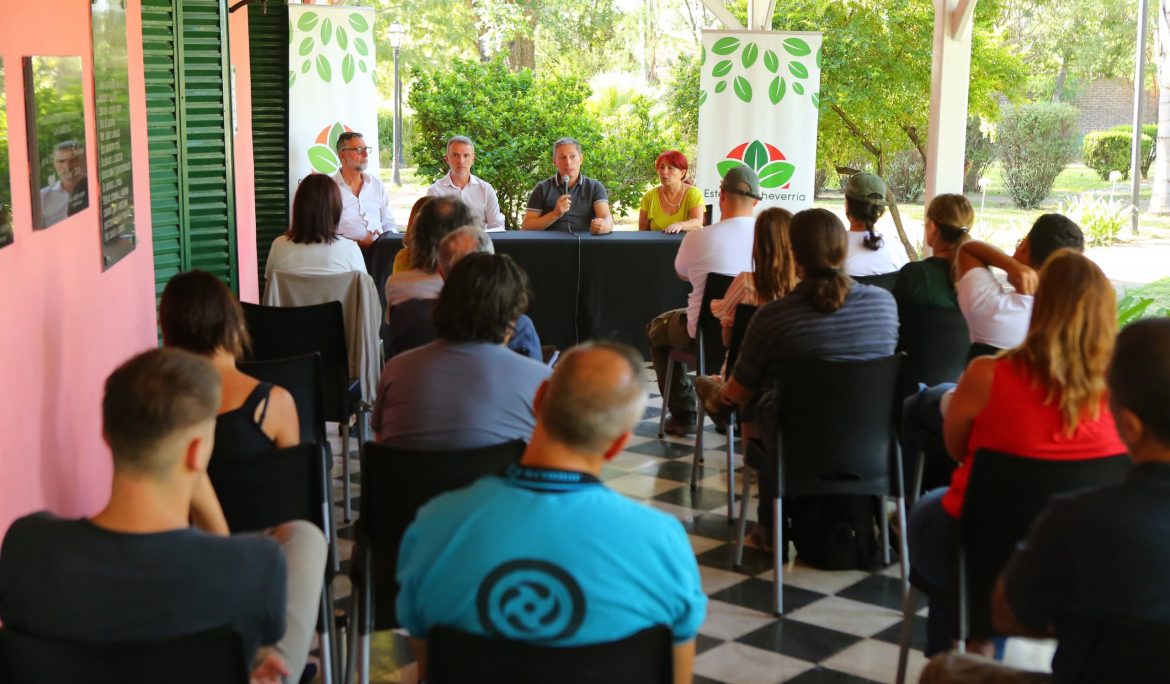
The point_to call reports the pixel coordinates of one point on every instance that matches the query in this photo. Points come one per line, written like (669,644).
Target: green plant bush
(1102,219)
(905,174)
(1035,144)
(514,117)
(1150,131)
(1108,151)
(980,152)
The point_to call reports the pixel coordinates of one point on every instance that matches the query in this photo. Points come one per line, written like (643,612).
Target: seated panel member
(461,182)
(365,204)
(618,566)
(137,570)
(584,206)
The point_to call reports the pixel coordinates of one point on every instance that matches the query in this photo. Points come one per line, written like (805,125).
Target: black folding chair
(1005,493)
(213,656)
(259,492)
(1119,649)
(710,355)
(835,435)
(456,657)
(301,376)
(885,281)
(279,332)
(395,484)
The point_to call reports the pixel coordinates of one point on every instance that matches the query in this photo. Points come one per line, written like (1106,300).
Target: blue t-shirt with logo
(548,556)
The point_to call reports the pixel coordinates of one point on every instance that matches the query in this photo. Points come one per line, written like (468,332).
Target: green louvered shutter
(188,94)
(268,39)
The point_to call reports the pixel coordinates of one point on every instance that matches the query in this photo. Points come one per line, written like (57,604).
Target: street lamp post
(396,35)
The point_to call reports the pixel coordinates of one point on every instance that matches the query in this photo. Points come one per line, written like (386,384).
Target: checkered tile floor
(838,627)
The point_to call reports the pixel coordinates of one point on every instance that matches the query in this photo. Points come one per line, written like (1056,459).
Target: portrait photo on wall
(5,166)
(55,112)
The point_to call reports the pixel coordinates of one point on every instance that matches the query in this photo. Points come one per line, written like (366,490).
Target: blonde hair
(954,217)
(773,266)
(1071,336)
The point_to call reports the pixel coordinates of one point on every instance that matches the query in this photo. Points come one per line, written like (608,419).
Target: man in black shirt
(137,571)
(1101,552)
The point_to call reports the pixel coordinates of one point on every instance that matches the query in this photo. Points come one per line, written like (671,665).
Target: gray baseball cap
(742,181)
(866,187)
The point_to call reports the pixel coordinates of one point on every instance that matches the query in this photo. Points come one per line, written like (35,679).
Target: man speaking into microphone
(569,201)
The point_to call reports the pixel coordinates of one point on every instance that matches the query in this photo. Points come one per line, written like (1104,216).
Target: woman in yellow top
(675,205)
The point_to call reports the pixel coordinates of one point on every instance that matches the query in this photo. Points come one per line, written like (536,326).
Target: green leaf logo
(306,65)
(326,31)
(756,156)
(323,68)
(342,38)
(816,100)
(727,165)
(796,47)
(743,89)
(362,66)
(771,61)
(323,159)
(347,68)
(335,132)
(702,98)
(306,46)
(750,53)
(776,89)
(798,70)
(722,69)
(702,55)
(358,22)
(720,87)
(360,46)
(798,89)
(818,58)
(776,174)
(292,78)
(725,46)
(307,22)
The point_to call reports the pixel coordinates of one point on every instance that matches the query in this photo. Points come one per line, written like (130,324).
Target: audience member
(826,316)
(436,218)
(199,314)
(1044,399)
(568,201)
(402,259)
(869,252)
(137,571)
(366,204)
(466,389)
(1094,554)
(311,245)
(410,322)
(614,566)
(930,282)
(462,183)
(724,247)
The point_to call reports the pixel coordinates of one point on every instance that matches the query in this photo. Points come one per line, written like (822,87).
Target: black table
(625,279)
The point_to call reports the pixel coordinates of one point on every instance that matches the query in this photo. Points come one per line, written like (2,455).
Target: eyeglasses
(359,150)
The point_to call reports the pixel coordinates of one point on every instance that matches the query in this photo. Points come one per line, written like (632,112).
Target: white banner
(330,86)
(759,107)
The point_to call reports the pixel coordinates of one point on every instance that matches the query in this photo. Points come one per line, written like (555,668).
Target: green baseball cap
(742,181)
(866,187)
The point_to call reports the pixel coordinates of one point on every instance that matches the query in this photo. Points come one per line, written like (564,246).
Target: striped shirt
(865,327)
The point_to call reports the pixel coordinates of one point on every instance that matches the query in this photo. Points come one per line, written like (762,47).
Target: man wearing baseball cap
(723,247)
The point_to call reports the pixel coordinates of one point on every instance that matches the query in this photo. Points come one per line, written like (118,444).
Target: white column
(950,78)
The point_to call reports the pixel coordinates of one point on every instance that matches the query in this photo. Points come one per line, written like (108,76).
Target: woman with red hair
(675,205)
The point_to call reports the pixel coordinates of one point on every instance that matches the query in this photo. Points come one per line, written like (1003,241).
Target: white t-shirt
(724,247)
(339,256)
(863,261)
(478,194)
(995,315)
(366,214)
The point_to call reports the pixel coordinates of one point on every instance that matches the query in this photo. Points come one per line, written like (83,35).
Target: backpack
(833,532)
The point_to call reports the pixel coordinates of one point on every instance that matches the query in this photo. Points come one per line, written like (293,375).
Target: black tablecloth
(626,278)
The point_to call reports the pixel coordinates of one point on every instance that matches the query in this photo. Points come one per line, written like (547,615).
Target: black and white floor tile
(838,627)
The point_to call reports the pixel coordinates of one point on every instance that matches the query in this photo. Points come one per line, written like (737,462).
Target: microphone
(565,182)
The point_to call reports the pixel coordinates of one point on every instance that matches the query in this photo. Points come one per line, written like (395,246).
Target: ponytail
(868,213)
(828,289)
(819,246)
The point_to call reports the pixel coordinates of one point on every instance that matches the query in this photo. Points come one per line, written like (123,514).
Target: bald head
(594,397)
(459,243)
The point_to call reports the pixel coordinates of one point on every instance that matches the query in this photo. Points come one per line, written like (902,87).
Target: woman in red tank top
(1044,399)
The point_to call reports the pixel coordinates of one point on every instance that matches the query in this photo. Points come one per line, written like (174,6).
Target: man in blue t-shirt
(548,553)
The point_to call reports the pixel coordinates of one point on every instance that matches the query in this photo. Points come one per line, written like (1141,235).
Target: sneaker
(680,425)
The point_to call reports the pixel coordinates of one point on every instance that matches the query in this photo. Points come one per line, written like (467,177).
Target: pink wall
(64,324)
(244,167)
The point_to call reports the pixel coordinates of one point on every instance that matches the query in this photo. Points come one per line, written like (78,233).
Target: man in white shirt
(365,204)
(724,247)
(69,193)
(473,190)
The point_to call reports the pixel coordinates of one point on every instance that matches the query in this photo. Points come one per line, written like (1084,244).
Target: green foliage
(1101,218)
(1150,131)
(514,117)
(980,152)
(683,98)
(906,175)
(1108,151)
(1131,308)
(1035,144)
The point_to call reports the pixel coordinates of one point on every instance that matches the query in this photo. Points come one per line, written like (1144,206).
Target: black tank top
(238,433)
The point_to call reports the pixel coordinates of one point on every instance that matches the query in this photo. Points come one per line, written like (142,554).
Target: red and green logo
(765,159)
(322,155)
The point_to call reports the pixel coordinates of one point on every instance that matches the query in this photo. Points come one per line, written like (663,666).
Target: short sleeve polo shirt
(547,556)
(585,194)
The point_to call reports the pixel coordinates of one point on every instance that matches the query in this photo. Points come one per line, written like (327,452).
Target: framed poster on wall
(6,235)
(111,87)
(55,112)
